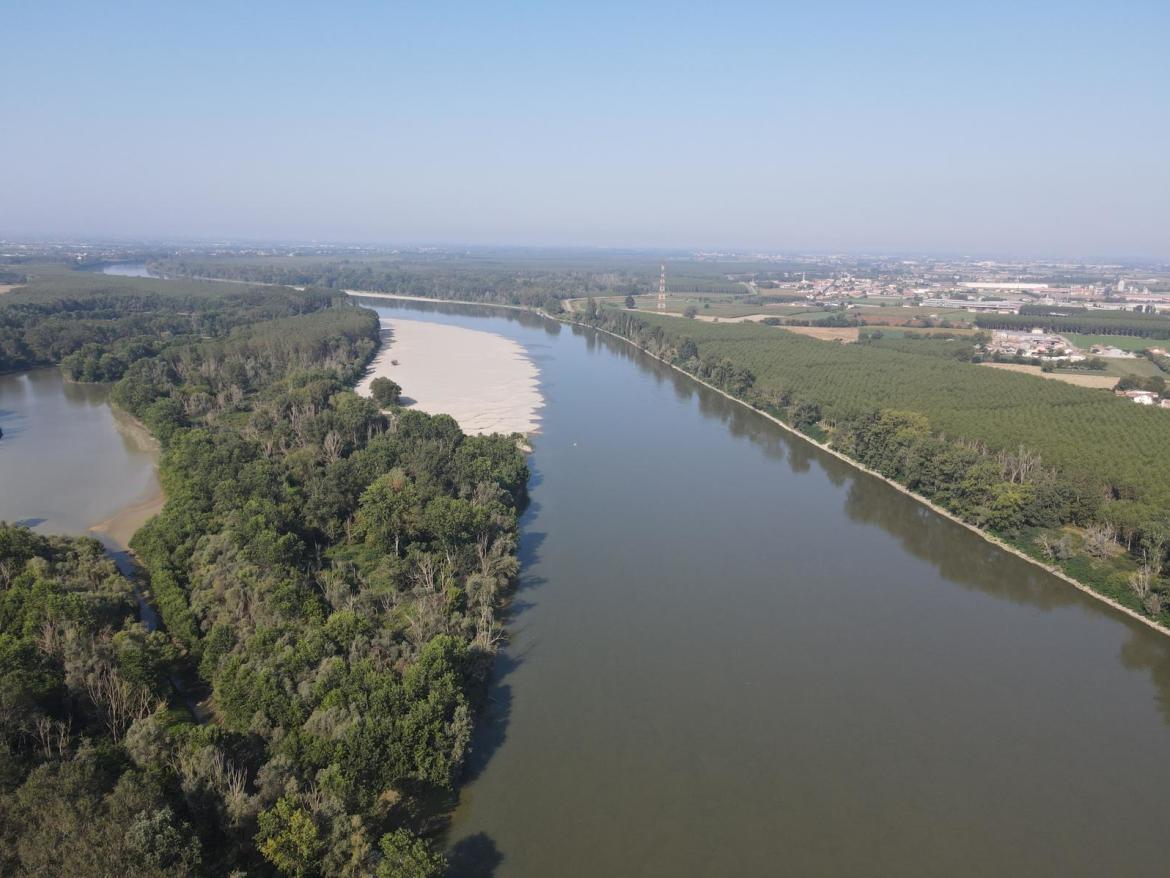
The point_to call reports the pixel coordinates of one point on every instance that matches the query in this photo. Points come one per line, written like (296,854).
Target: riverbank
(123,524)
(934,507)
(486,382)
(569,318)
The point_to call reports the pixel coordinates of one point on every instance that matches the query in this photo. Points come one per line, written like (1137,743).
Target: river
(734,654)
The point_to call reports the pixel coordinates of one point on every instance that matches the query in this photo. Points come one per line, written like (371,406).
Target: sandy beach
(124,523)
(484,381)
(121,526)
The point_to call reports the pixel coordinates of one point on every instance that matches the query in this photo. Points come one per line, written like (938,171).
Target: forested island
(329,574)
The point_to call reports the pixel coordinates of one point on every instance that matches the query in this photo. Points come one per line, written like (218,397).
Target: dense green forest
(526,285)
(329,576)
(528,280)
(1072,474)
(95,325)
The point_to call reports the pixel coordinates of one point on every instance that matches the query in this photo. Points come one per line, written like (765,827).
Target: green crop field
(901,313)
(1124,342)
(1081,431)
(721,306)
(1141,367)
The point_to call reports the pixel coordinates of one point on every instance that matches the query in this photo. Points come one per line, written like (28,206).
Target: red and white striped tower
(662,289)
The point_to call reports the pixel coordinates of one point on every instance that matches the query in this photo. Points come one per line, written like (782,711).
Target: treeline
(330,577)
(1086,322)
(511,285)
(96,333)
(1016,456)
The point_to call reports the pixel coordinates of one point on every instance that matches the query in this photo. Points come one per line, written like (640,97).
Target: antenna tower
(662,289)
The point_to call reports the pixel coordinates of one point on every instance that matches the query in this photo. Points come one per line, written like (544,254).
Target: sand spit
(124,523)
(484,381)
(121,526)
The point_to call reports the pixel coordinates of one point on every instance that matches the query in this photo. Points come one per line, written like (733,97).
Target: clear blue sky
(1026,127)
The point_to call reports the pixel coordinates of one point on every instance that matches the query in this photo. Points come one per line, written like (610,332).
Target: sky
(978,128)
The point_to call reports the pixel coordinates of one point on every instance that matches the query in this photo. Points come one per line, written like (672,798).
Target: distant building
(981,285)
(1142,397)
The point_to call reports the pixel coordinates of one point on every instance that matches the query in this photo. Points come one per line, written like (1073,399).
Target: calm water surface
(733,654)
(67,461)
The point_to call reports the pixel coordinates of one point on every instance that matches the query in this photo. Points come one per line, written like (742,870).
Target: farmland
(1139,366)
(726,306)
(826,333)
(1097,380)
(1124,342)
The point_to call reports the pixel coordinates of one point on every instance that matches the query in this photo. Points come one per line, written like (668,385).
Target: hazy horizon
(911,129)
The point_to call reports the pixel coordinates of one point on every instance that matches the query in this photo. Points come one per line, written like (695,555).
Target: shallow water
(67,460)
(734,654)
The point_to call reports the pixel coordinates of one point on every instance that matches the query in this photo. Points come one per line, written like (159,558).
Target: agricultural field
(896,315)
(1097,380)
(721,306)
(1080,430)
(911,332)
(1141,367)
(711,306)
(1124,342)
(826,333)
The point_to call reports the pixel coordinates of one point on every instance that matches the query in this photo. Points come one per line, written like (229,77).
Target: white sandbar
(484,381)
